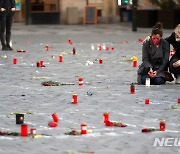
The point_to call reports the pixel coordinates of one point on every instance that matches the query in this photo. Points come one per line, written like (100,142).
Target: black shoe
(4,48)
(9,48)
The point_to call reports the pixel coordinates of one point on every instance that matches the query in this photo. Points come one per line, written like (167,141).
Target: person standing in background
(7,9)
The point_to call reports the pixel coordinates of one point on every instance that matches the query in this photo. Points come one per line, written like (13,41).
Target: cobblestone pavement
(109,84)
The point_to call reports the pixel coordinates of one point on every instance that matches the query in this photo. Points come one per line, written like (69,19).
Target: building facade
(65,11)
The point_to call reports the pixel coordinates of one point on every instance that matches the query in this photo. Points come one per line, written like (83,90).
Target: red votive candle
(41,63)
(100,61)
(106,117)
(74,99)
(134,63)
(24,130)
(74,51)
(178,100)
(83,128)
(107,48)
(162,125)
(132,88)
(14,61)
(38,64)
(60,58)
(80,81)
(32,131)
(47,48)
(55,117)
(146,101)
(109,123)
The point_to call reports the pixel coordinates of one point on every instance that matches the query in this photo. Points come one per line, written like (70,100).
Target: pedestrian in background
(155,58)
(7,9)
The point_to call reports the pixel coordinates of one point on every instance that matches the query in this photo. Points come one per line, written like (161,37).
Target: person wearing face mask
(7,8)
(174,66)
(155,58)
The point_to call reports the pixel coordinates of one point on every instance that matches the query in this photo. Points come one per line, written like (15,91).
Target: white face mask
(177,39)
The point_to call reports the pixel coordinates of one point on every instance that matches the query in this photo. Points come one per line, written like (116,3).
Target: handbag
(168,76)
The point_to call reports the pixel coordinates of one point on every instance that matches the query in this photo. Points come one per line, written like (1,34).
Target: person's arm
(165,51)
(170,38)
(145,56)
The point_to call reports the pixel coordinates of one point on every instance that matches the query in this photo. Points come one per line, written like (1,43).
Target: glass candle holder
(162,125)
(147,82)
(24,130)
(83,128)
(55,117)
(19,118)
(106,117)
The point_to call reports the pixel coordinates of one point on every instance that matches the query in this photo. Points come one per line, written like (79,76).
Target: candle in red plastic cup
(55,117)
(32,131)
(14,61)
(100,61)
(132,89)
(134,63)
(106,117)
(83,128)
(60,58)
(38,64)
(80,81)
(74,51)
(24,130)
(47,48)
(109,123)
(107,48)
(41,63)
(178,100)
(146,101)
(162,125)
(74,99)
(52,124)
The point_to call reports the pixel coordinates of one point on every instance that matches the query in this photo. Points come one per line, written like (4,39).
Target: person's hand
(154,74)
(13,9)
(3,9)
(146,39)
(176,64)
(150,73)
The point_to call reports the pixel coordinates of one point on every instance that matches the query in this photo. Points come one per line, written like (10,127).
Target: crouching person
(155,58)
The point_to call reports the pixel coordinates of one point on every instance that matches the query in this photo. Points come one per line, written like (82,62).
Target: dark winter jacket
(7,4)
(154,57)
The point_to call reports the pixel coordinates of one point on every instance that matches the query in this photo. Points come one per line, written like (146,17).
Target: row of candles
(162,123)
(24,127)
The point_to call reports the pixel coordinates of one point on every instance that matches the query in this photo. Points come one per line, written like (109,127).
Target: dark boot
(8,38)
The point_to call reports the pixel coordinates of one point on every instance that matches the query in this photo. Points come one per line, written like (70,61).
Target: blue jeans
(154,81)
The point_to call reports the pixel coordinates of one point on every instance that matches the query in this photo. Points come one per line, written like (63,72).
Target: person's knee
(159,81)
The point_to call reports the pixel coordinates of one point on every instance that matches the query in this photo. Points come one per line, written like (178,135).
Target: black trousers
(174,70)
(6,20)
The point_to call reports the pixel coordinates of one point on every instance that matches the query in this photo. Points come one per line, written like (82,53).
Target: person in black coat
(155,58)
(174,40)
(7,8)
